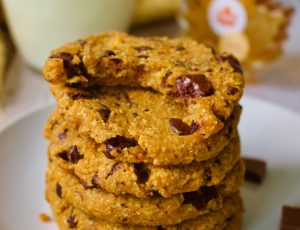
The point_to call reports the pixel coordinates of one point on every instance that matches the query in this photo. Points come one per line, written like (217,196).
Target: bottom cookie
(228,218)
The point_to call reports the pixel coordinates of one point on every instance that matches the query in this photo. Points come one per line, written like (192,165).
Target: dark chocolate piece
(200,198)
(178,126)
(58,190)
(194,85)
(142,173)
(71,221)
(290,218)
(255,169)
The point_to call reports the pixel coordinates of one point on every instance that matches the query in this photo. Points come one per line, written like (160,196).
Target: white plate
(267,132)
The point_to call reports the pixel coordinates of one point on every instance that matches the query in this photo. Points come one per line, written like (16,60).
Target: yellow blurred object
(253,30)
(148,11)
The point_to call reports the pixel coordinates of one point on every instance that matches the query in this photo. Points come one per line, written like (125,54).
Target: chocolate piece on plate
(255,169)
(290,218)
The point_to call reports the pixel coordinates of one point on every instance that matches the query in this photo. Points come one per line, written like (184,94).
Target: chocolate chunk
(142,173)
(255,170)
(71,154)
(105,114)
(117,61)
(179,48)
(71,221)
(115,167)
(290,218)
(63,155)
(71,68)
(160,227)
(58,190)
(64,56)
(108,53)
(63,135)
(94,181)
(118,142)
(233,62)
(232,90)
(199,199)
(193,86)
(79,95)
(178,126)
(142,48)
(140,68)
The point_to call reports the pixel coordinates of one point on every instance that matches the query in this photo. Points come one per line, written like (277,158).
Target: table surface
(279,82)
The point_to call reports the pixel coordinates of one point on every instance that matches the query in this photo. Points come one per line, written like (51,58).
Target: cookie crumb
(44,217)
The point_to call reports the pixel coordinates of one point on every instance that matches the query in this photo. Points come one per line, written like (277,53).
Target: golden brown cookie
(79,154)
(137,125)
(206,85)
(131,210)
(67,216)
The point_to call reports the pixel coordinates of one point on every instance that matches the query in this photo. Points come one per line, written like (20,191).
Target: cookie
(98,203)
(136,125)
(206,85)
(67,216)
(141,180)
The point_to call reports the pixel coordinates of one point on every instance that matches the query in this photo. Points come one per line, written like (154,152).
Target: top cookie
(207,85)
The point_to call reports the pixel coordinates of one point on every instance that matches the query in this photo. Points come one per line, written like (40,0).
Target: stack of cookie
(144,135)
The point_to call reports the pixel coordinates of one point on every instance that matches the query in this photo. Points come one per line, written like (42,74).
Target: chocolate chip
(232,90)
(105,114)
(117,61)
(233,62)
(108,53)
(142,48)
(63,135)
(140,68)
(71,68)
(290,218)
(94,180)
(124,219)
(115,167)
(178,126)
(58,190)
(142,173)
(71,154)
(179,48)
(118,142)
(71,221)
(199,199)
(63,155)
(64,56)
(160,227)
(193,86)
(79,95)
(255,170)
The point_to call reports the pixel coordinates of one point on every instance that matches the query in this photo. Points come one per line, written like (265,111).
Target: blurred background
(263,34)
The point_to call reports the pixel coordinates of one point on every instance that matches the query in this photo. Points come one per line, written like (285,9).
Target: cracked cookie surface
(207,85)
(137,125)
(138,179)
